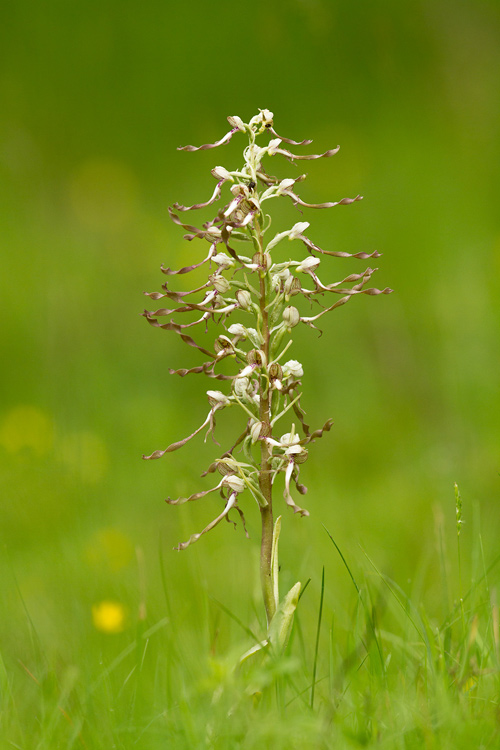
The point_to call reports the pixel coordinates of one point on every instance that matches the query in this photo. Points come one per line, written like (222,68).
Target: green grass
(94,101)
(368,666)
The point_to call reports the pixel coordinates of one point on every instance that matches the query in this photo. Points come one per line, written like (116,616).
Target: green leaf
(281,624)
(274,561)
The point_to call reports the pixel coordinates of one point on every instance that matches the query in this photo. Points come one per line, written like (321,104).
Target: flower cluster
(262,291)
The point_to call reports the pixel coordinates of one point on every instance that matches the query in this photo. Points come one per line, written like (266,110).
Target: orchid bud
(223,344)
(244,299)
(235,483)
(221,173)
(285,185)
(218,302)
(289,438)
(273,146)
(223,260)
(298,229)
(220,283)
(236,122)
(276,283)
(255,431)
(259,430)
(239,190)
(280,277)
(238,330)
(217,399)
(292,286)
(293,369)
(256,357)
(276,384)
(297,453)
(241,386)
(253,203)
(275,371)
(308,264)
(213,233)
(267,117)
(246,371)
(291,316)
(223,468)
(284,273)
(263,262)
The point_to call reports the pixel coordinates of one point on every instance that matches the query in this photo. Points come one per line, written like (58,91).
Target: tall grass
(382,668)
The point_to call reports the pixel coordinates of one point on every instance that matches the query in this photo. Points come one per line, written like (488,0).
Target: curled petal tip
(206,146)
(155,454)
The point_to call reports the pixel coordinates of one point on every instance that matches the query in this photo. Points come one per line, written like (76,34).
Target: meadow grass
(380,667)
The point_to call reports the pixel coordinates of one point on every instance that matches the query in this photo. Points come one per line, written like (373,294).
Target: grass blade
(316,647)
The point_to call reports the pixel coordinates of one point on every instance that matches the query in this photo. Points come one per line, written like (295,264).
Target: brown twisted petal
(308,157)
(177,296)
(242,517)
(319,433)
(387,290)
(215,196)
(342,301)
(180,443)
(196,496)
(362,278)
(225,139)
(187,307)
(207,369)
(300,413)
(194,537)
(344,202)
(203,319)
(372,292)
(171,326)
(321,288)
(289,140)
(196,232)
(211,469)
(155,295)
(348,279)
(161,311)
(186,269)
(286,493)
(338,253)
(308,321)
(301,488)
(225,240)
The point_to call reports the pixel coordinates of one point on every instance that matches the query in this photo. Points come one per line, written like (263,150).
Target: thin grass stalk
(318,630)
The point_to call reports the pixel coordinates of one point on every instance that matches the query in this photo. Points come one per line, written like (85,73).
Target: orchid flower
(266,292)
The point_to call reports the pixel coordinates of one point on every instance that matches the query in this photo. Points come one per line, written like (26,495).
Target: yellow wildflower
(109,616)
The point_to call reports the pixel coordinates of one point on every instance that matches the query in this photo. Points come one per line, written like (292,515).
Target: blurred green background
(95,97)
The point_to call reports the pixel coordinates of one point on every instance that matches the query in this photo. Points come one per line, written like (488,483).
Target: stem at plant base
(265,483)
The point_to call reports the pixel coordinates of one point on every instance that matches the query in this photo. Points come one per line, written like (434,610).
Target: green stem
(265,455)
